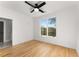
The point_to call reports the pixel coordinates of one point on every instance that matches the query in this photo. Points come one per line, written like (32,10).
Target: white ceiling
(50,7)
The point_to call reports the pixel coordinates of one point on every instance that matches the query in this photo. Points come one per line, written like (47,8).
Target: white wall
(65,26)
(77,47)
(22,25)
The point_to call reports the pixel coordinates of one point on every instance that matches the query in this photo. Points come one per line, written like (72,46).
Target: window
(44,27)
(48,27)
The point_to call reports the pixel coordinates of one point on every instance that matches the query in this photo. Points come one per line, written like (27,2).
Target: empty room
(39,28)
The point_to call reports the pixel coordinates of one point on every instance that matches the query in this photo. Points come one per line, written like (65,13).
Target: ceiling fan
(36,6)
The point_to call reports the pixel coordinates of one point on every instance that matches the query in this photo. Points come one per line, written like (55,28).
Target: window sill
(47,36)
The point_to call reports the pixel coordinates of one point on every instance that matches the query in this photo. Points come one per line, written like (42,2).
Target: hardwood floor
(37,49)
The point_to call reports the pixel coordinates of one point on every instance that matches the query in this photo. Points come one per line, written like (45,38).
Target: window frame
(47,30)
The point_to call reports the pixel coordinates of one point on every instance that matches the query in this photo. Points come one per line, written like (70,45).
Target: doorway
(1,32)
(5,32)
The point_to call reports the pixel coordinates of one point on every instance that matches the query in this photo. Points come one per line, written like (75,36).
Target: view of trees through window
(48,27)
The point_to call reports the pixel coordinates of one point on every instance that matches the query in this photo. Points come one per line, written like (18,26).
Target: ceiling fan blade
(42,4)
(30,4)
(32,10)
(41,11)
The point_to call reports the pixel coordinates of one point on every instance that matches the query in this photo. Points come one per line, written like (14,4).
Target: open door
(1,32)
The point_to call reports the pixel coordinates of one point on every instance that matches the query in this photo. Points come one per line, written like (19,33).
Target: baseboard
(55,44)
(21,42)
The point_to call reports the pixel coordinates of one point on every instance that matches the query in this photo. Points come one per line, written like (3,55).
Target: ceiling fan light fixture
(36,10)
(36,7)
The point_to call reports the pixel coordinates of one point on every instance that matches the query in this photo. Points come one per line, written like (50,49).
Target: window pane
(43,31)
(52,27)
(43,24)
(51,31)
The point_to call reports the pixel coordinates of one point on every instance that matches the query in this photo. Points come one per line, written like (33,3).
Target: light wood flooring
(37,49)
